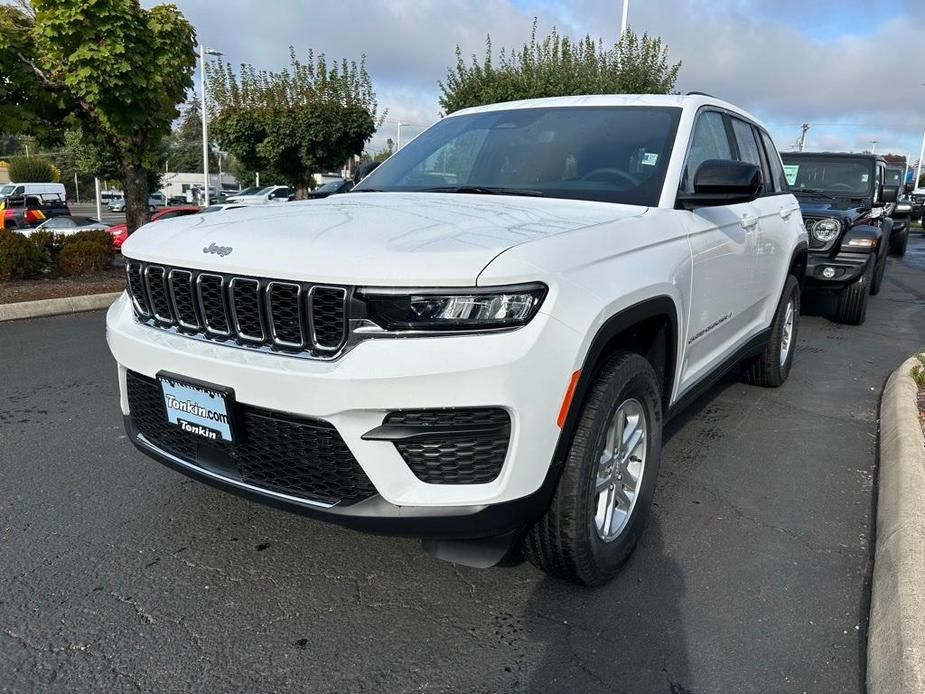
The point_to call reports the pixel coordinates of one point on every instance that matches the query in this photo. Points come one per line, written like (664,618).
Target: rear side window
(709,141)
(777,168)
(750,151)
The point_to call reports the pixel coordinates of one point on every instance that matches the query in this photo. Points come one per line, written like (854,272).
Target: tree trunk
(302,189)
(135,189)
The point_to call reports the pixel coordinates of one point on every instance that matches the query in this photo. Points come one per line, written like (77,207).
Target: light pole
(626,11)
(805,128)
(873,146)
(203,52)
(400,124)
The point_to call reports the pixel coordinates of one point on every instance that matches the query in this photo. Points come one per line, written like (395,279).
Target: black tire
(852,299)
(899,242)
(766,369)
(565,541)
(876,281)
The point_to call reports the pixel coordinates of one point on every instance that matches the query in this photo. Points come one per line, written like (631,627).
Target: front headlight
(826,230)
(491,308)
(903,207)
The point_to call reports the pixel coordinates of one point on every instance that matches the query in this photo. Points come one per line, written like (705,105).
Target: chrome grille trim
(254,313)
(316,343)
(235,281)
(158,269)
(140,303)
(224,304)
(172,281)
(268,298)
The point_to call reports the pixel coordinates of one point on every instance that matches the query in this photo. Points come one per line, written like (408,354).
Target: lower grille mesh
(303,458)
(455,458)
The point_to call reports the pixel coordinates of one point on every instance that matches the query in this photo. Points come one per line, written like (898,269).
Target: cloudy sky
(851,68)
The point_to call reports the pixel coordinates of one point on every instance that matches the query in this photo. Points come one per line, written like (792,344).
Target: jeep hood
(399,239)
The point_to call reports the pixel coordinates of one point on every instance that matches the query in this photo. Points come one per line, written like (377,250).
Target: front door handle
(786,212)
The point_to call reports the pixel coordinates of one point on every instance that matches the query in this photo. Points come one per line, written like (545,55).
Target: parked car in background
(330,188)
(120,231)
(364,170)
(917,198)
(843,202)
(479,350)
(177,200)
(43,190)
(69,225)
(899,211)
(221,208)
(28,211)
(156,201)
(262,196)
(116,205)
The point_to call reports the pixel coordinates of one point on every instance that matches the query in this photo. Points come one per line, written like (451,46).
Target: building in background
(189,185)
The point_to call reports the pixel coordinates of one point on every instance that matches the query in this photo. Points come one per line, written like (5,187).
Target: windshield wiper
(815,191)
(484,190)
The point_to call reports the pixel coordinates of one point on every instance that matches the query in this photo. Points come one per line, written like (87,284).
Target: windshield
(6,190)
(833,176)
(613,154)
(253,190)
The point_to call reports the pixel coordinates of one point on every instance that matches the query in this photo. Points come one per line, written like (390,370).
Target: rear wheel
(600,506)
(852,299)
(771,368)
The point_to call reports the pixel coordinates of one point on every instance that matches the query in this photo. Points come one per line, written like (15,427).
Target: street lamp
(623,21)
(203,52)
(873,146)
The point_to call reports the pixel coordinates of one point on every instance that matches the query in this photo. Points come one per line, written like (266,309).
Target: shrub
(86,252)
(50,244)
(32,170)
(19,257)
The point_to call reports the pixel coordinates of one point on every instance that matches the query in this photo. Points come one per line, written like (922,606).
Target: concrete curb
(896,637)
(55,307)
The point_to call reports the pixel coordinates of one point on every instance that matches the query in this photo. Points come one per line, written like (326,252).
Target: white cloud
(764,55)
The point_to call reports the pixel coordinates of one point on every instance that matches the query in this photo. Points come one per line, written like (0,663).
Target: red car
(120,231)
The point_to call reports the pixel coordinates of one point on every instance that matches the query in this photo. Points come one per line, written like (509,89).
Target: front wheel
(852,299)
(600,505)
(771,368)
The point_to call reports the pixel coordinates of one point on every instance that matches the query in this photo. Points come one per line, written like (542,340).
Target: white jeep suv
(480,345)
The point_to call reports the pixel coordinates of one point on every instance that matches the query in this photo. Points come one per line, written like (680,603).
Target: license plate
(198,408)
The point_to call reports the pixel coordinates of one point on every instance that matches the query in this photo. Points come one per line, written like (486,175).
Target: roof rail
(700,94)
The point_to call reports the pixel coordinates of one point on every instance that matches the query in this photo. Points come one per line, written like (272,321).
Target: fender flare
(654,307)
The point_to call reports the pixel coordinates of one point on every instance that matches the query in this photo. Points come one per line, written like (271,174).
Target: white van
(43,190)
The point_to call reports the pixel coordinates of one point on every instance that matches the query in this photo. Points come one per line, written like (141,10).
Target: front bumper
(847,266)
(525,371)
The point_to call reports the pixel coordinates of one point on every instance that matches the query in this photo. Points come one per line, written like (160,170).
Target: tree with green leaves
(115,69)
(558,66)
(309,118)
(33,170)
(184,148)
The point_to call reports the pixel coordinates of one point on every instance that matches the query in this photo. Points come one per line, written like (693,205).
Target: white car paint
(723,269)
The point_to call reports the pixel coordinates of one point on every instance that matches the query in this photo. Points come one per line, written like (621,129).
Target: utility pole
(623,21)
(76,189)
(873,146)
(918,171)
(400,124)
(99,207)
(805,127)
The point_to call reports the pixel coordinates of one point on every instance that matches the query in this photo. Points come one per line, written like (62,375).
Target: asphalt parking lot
(118,574)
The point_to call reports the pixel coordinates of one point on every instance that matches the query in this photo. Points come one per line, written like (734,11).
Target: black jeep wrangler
(844,203)
(900,211)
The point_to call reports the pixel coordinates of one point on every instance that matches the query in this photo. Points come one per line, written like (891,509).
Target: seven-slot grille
(293,317)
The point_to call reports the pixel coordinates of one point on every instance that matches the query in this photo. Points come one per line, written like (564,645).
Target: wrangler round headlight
(826,230)
(449,309)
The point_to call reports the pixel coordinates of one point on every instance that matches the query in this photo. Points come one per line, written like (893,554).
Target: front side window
(611,154)
(708,141)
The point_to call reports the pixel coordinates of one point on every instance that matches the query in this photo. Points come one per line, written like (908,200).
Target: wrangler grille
(293,317)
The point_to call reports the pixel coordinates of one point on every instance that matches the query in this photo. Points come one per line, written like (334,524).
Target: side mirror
(723,182)
(890,193)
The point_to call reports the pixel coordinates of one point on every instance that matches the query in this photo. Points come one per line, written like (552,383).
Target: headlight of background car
(826,230)
(903,207)
(450,309)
